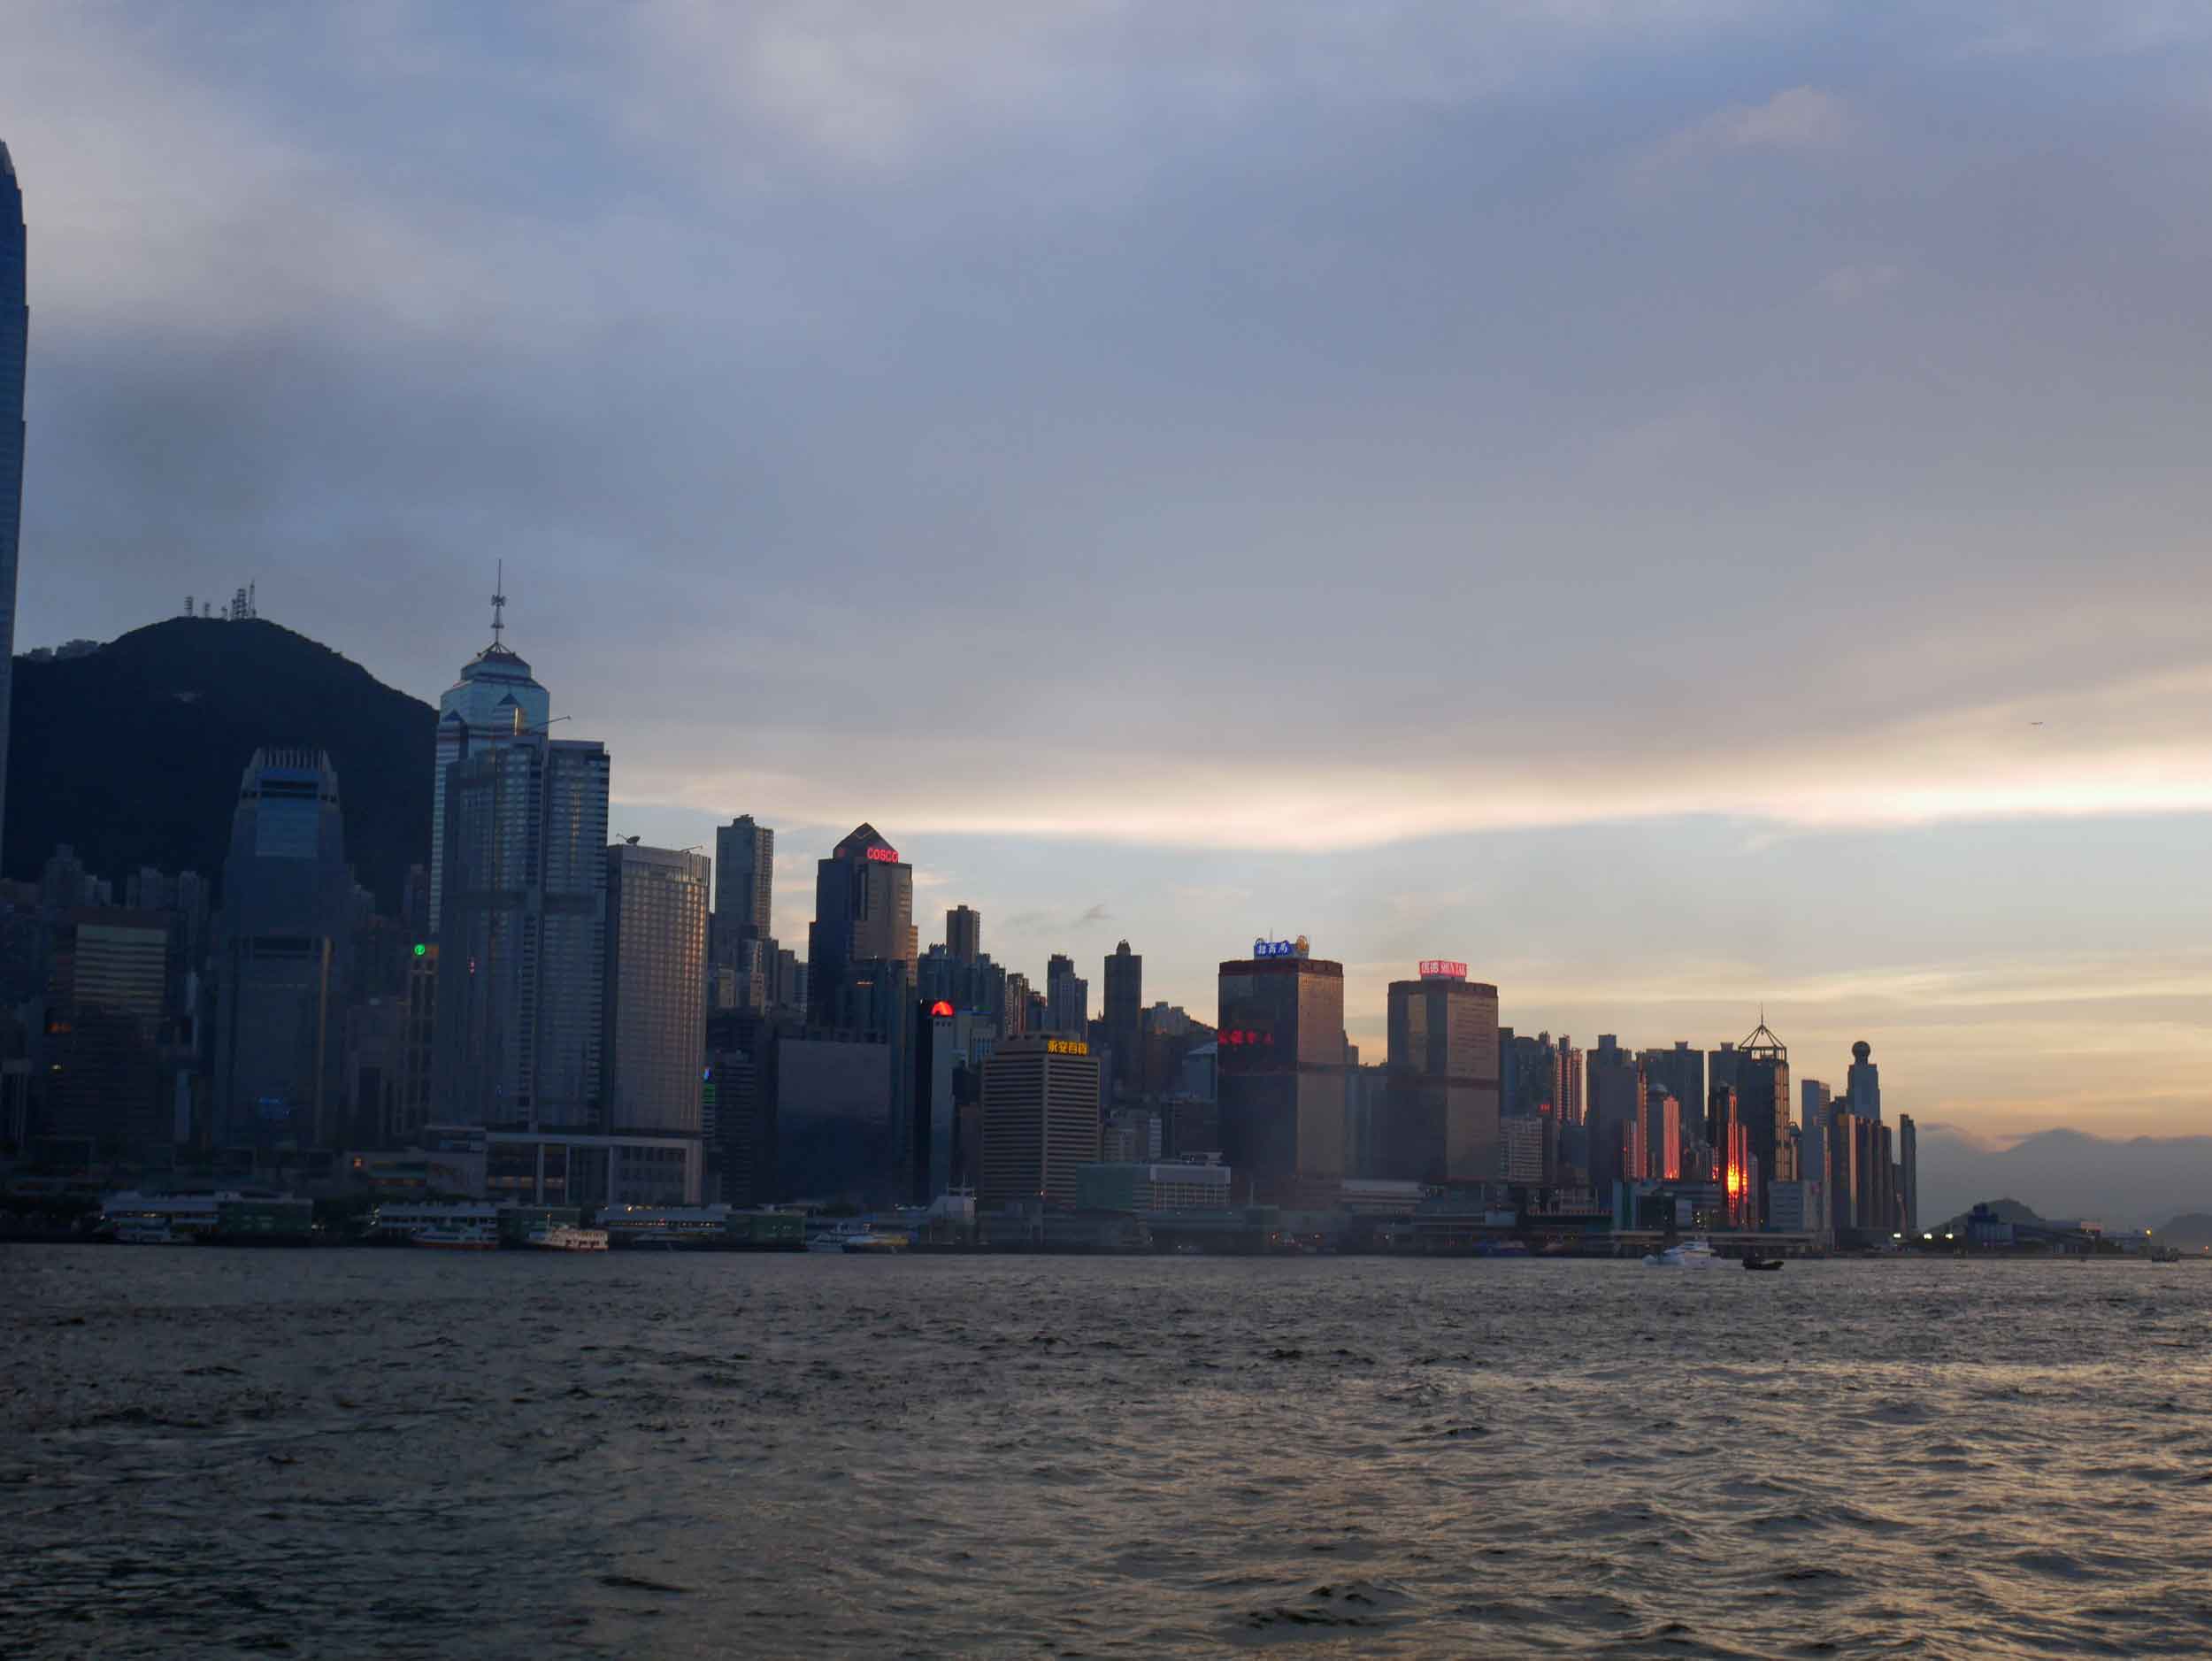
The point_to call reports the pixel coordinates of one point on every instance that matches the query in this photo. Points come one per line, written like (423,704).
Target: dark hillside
(132,753)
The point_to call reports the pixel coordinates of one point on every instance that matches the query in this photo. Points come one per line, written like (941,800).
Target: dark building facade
(1040,1121)
(964,933)
(15,344)
(282,946)
(1441,1109)
(864,910)
(1280,1080)
(1125,1020)
(1762,1095)
(745,868)
(654,1029)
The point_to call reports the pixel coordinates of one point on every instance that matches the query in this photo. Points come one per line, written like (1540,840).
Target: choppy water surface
(208,1452)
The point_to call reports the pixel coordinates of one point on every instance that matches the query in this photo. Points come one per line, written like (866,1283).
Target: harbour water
(208,1452)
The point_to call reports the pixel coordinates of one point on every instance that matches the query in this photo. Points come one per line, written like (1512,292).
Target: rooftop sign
(884,856)
(1442,969)
(1066,1047)
(1281,947)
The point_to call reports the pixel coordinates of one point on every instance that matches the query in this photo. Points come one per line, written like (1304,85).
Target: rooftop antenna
(499,602)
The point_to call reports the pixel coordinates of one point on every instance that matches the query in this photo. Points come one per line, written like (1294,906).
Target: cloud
(1798,119)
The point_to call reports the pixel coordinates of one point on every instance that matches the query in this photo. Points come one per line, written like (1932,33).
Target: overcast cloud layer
(1675,503)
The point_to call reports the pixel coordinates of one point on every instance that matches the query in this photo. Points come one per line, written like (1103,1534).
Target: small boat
(460,1237)
(564,1237)
(868,1240)
(1763,1262)
(157,1234)
(1691,1254)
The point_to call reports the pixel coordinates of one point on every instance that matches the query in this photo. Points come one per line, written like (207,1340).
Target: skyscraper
(15,346)
(1067,997)
(1815,1104)
(494,701)
(1040,1120)
(1909,1174)
(1125,1017)
(863,910)
(522,935)
(964,933)
(1863,1084)
(1616,1099)
(1441,1106)
(1762,1097)
(745,863)
(282,947)
(1280,1083)
(655,1025)
(1682,1071)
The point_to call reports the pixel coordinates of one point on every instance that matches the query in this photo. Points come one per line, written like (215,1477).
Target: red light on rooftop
(941,1008)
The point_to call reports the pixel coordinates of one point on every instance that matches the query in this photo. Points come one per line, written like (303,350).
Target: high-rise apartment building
(1863,1084)
(864,910)
(15,347)
(1125,1019)
(1280,1072)
(1815,1103)
(495,700)
(654,1029)
(1681,1070)
(1067,997)
(1663,1134)
(1040,1120)
(282,948)
(745,869)
(1440,1112)
(964,933)
(522,935)
(1616,1099)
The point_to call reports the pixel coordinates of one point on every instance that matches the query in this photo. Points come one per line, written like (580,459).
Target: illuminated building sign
(941,1008)
(1238,1037)
(1280,948)
(1442,969)
(1066,1047)
(884,856)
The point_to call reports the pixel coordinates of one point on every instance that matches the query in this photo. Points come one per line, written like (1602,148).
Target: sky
(1688,507)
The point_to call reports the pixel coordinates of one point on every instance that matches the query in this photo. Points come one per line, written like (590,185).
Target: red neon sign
(941,1008)
(1442,969)
(884,856)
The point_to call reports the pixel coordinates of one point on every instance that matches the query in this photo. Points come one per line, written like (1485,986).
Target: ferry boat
(565,1237)
(856,1237)
(1690,1254)
(460,1237)
(150,1234)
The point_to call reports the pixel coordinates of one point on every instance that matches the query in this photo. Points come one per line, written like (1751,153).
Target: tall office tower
(1616,1097)
(1814,1104)
(1441,1109)
(934,1146)
(1125,1017)
(494,703)
(1280,1080)
(1528,1075)
(964,933)
(863,910)
(1018,996)
(522,936)
(15,348)
(1721,1066)
(108,993)
(745,862)
(1663,1134)
(1762,1095)
(1909,1174)
(282,946)
(1730,1142)
(1681,1070)
(1040,1121)
(1863,1084)
(654,1029)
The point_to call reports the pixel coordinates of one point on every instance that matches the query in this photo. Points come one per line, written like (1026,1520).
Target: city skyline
(1412,562)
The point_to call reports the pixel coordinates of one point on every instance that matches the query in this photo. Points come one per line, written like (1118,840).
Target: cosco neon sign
(884,856)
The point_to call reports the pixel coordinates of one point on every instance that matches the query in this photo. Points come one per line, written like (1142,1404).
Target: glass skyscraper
(15,343)
(496,700)
(656,988)
(282,944)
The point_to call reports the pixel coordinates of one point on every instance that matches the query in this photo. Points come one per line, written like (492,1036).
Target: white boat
(461,1237)
(1691,1254)
(565,1237)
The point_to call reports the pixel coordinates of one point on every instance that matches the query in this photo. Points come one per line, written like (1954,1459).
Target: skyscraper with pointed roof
(496,700)
(864,912)
(15,343)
